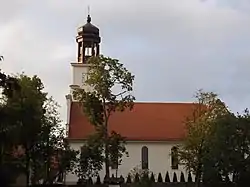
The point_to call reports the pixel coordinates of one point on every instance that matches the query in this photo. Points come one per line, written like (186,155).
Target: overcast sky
(174,47)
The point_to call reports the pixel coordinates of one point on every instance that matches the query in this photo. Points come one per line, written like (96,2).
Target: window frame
(144,157)
(174,158)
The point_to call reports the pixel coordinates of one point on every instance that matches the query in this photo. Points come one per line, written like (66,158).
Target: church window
(174,157)
(144,157)
(80,48)
(88,51)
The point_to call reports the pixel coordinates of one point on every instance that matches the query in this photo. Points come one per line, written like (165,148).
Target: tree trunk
(27,168)
(106,152)
(107,161)
(1,155)
(198,175)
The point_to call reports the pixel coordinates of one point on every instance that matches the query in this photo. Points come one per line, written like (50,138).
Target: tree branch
(120,93)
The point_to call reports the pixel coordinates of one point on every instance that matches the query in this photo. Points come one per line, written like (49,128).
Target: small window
(88,51)
(80,52)
(144,157)
(174,158)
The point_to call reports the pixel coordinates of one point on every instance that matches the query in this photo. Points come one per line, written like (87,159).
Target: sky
(173,47)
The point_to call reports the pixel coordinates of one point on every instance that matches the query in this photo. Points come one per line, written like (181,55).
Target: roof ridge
(155,102)
(164,102)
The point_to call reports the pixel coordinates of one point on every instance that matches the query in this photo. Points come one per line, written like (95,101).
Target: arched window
(174,158)
(144,157)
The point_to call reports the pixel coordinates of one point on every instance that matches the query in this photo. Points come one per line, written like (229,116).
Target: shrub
(152,177)
(106,179)
(137,178)
(121,179)
(129,179)
(90,181)
(144,177)
(190,177)
(167,179)
(182,178)
(175,177)
(227,179)
(98,180)
(159,178)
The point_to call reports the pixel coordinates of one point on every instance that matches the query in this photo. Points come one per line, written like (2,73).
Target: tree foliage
(90,160)
(208,108)
(229,149)
(175,177)
(167,178)
(116,149)
(35,131)
(100,101)
(159,179)
(217,142)
(182,178)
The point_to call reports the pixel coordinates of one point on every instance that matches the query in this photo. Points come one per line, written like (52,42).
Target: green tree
(101,101)
(240,156)
(229,148)
(7,167)
(215,163)
(117,148)
(8,85)
(36,128)
(90,160)
(52,154)
(27,107)
(199,128)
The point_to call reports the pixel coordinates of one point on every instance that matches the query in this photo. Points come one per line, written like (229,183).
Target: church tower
(88,41)
(88,45)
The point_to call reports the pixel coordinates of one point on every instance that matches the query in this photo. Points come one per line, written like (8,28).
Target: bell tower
(88,41)
(88,45)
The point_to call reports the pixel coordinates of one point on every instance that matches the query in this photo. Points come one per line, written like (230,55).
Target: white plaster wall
(78,69)
(77,77)
(158,154)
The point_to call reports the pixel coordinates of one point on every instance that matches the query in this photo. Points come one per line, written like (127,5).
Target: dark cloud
(173,47)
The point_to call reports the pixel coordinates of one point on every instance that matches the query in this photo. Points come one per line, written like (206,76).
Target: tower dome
(89,32)
(88,40)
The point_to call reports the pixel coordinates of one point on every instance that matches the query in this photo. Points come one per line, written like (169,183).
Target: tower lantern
(88,41)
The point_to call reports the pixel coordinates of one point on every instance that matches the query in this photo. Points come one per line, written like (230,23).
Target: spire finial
(88,18)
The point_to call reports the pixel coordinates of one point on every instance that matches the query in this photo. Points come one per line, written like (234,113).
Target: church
(152,130)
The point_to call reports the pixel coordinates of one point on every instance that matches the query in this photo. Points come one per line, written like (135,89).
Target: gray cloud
(173,47)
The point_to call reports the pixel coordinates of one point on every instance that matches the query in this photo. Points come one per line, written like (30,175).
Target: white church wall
(158,156)
(78,70)
(79,76)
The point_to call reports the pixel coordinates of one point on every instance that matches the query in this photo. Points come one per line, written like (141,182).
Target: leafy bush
(152,177)
(175,177)
(129,179)
(98,180)
(167,179)
(122,180)
(137,178)
(159,178)
(182,178)
(190,177)
(90,181)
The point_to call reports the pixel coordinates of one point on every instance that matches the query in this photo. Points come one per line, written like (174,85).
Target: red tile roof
(147,121)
